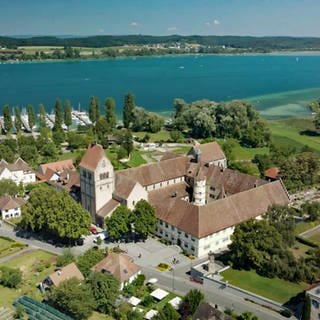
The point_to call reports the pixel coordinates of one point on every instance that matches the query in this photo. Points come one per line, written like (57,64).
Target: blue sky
(160,17)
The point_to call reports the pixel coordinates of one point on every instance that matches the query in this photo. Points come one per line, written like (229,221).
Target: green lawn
(70,155)
(154,137)
(276,289)
(8,247)
(297,132)
(315,238)
(135,159)
(27,263)
(304,226)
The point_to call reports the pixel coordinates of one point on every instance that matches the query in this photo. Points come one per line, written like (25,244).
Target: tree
(190,303)
(8,187)
(306,310)
(66,258)
(110,106)
(127,142)
(6,153)
(128,108)
(31,116)
(10,277)
(203,125)
(88,259)
(7,121)
(29,153)
(55,212)
(167,312)
(263,162)
(118,224)
(73,298)
(42,116)
(67,113)
(105,289)
(17,119)
(143,217)
(311,209)
(176,135)
(154,123)
(94,109)
(121,153)
(57,116)
(102,128)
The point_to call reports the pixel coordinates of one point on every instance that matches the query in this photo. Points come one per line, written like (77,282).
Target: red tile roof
(272,173)
(201,221)
(92,157)
(57,166)
(9,202)
(66,273)
(118,264)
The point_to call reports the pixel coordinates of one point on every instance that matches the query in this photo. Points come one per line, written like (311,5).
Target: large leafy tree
(105,289)
(7,121)
(167,312)
(42,116)
(128,108)
(110,106)
(67,113)
(29,153)
(17,119)
(127,141)
(31,116)
(88,259)
(6,153)
(143,217)
(73,298)
(8,187)
(55,212)
(119,223)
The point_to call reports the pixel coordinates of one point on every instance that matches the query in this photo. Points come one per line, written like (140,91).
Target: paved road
(224,298)
(152,253)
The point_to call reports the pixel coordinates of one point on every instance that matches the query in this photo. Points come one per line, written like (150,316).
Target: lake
(279,86)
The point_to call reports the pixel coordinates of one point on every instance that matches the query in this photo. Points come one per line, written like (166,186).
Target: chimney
(197,155)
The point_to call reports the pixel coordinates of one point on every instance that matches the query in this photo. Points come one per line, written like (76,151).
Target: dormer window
(104,175)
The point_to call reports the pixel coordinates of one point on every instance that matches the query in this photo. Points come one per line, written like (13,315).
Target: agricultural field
(35,266)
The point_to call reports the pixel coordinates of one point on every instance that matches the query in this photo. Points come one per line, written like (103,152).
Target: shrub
(147,301)
(66,258)
(10,277)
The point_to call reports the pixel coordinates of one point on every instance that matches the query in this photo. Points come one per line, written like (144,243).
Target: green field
(315,238)
(163,135)
(29,264)
(275,289)
(136,159)
(295,132)
(8,246)
(304,226)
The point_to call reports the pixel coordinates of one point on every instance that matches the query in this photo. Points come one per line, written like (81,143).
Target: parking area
(152,252)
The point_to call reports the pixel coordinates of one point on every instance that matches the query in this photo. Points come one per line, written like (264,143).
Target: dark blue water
(277,85)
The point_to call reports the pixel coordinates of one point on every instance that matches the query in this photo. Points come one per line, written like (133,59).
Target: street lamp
(172,279)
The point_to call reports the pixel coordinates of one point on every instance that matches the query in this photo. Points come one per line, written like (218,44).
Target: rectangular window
(179,232)
(161,223)
(186,235)
(167,225)
(172,227)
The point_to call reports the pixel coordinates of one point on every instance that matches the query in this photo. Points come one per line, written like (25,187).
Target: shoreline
(244,54)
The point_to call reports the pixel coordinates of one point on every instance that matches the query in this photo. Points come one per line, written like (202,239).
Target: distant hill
(269,43)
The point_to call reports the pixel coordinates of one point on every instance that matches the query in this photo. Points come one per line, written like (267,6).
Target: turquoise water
(278,86)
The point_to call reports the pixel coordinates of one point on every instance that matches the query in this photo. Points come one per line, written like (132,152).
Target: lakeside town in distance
(113,211)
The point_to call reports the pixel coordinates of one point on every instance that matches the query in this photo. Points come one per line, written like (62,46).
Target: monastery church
(197,199)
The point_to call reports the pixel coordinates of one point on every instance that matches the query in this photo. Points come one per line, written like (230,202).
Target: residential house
(207,311)
(120,265)
(62,175)
(19,172)
(62,274)
(198,201)
(10,207)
